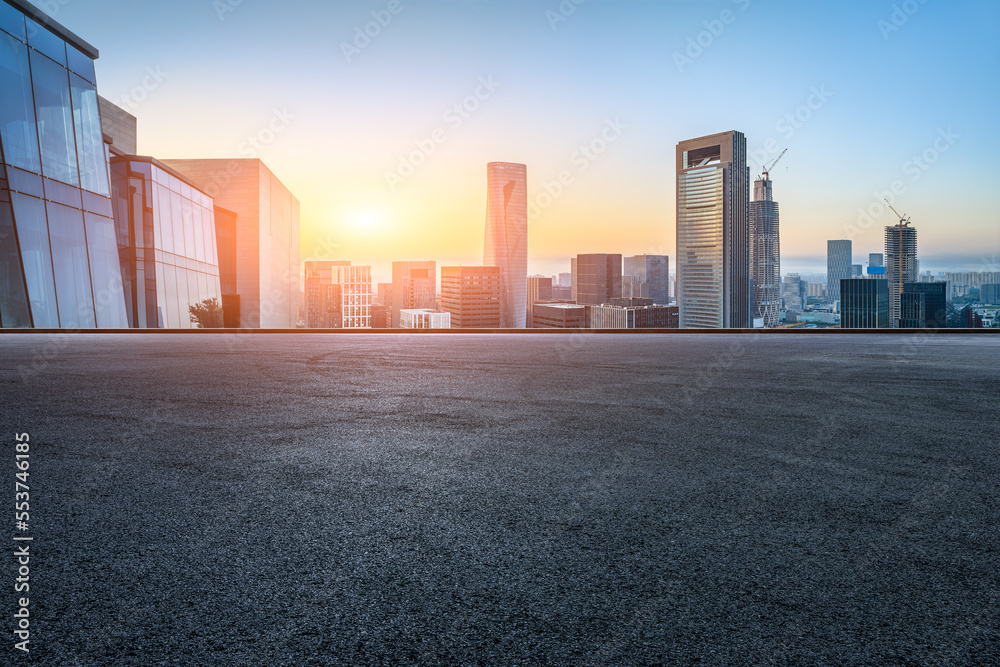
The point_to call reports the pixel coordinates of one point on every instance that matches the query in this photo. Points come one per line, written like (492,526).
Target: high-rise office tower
(651,273)
(414,286)
(506,244)
(838,267)
(875,259)
(864,304)
(598,278)
(791,291)
(713,237)
(765,253)
(472,295)
(900,264)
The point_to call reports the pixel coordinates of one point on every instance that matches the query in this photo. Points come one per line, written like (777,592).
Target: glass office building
(58,257)
(167,245)
(506,240)
(713,237)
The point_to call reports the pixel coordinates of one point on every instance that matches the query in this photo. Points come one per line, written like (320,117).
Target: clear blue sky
(885,86)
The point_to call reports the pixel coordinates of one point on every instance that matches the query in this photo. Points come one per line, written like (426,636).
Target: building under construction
(765,251)
(900,264)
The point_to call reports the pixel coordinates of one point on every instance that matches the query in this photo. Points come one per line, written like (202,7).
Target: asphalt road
(509,500)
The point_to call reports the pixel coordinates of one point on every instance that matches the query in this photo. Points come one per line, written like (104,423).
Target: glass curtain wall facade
(58,257)
(713,238)
(167,245)
(864,303)
(506,243)
(838,267)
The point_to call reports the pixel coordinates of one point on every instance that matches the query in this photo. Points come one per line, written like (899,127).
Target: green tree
(207,314)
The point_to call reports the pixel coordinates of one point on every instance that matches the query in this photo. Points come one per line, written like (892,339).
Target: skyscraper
(900,264)
(875,259)
(791,292)
(765,253)
(414,286)
(506,244)
(838,267)
(713,239)
(597,278)
(651,274)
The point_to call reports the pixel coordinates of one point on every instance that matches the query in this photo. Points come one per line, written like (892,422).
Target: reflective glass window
(187,218)
(54,114)
(17,111)
(81,63)
(188,297)
(71,267)
(169,303)
(89,138)
(12,21)
(109,295)
(44,40)
(161,297)
(13,297)
(163,219)
(177,222)
(199,233)
(33,235)
(154,203)
(203,292)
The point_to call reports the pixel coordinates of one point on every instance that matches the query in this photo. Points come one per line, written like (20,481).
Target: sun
(366,220)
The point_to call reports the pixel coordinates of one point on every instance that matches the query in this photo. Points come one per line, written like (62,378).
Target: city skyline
(284,104)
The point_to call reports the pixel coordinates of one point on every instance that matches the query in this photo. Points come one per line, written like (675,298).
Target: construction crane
(767,169)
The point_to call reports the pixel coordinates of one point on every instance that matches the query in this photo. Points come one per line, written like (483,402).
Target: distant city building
(597,278)
(864,304)
(610,316)
(506,244)
(472,295)
(338,295)
(647,276)
(857,270)
(267,235)
(989,294)
(817,291)
(424,318)
(924,306)
(838,267)
(383,295)
(876,259)
(793,292)
(971,319)
(565,280)
(960,284)
(559,316)
(900,264)
(539,289)
(876,272)
(765,253)
(414,286)
(713,239)
(380,316)
(561,293)
(168,247)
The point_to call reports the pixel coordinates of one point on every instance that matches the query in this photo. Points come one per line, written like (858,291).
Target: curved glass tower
(506,244)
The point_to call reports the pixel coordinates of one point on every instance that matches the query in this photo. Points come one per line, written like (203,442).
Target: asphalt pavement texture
(506,500)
